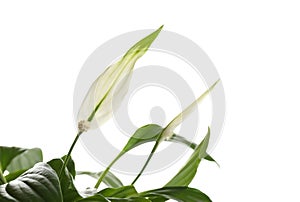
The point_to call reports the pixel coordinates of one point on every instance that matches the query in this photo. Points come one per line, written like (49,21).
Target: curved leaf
(167,132)
(17,160)
(188,172)
(7,154)
(133,199)
(181,194)
(145,134)
(121,192)
(96,198)
(39,183)
(25,160)
(110,179)
(68,188)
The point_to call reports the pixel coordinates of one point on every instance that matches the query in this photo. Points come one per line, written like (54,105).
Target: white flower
(112,84)
(168,131)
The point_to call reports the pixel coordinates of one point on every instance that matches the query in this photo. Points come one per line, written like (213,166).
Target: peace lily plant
(24,177)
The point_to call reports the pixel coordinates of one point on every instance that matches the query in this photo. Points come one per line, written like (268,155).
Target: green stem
(103,174)
(66,161)
(148,160)
(2,178)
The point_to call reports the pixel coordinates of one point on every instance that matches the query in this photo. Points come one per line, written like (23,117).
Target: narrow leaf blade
(188,171)
(181,194)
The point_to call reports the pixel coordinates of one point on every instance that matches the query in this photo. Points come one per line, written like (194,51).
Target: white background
(255,46)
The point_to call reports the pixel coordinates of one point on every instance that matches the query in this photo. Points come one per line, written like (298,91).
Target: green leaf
(68,188)
(39,183)
(188,172)
(133,199)
(11,176)
(25,160)
(70,166)
(7,154)
(96,198)
(110,179)
(159,199)
(181,194)
(17,160)
(182,140)
(145,134)
(121,192)
(167,132)
(112,84)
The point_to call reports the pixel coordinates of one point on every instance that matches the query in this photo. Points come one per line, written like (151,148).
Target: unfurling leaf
(112,84)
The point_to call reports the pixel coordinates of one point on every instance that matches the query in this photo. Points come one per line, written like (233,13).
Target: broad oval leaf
(112,84)
(189,170)
(39,183)
(181,194)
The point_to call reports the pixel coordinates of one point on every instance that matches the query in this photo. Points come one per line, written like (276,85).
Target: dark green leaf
(181,194)
(133,199)
(96,198)
(70,166)
(110,179)
(158,199)
(38,184)
(183,140)
(66,180)
(188,172)
(121,194)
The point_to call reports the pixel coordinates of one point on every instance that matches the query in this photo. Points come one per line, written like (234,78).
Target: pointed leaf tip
(168,131)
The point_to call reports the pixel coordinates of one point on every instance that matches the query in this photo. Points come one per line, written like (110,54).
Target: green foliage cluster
(24,177)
